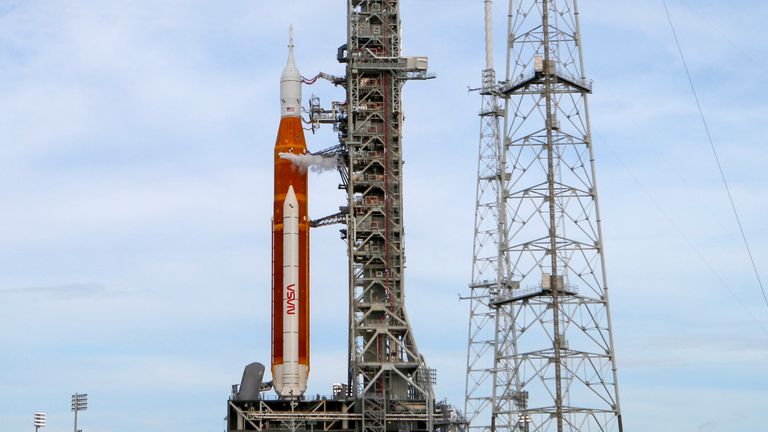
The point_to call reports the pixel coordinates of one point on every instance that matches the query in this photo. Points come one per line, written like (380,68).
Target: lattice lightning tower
(553,365)
(489,276)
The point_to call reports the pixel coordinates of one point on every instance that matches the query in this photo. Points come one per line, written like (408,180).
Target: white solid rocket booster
(292,384)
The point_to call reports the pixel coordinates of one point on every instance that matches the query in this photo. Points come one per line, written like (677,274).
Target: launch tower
(389,386)
(540,351)
(386,371)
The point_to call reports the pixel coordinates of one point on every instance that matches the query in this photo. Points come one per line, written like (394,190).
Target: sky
(135,201)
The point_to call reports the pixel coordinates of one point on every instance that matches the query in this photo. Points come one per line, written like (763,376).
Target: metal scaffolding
(387,372)
(553,365)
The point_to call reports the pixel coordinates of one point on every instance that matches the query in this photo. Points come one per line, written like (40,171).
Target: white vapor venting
(317,163)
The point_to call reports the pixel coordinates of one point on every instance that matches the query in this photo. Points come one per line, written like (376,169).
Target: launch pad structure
(389,386)
(540,352)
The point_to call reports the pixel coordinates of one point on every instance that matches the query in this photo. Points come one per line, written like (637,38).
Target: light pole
(79,403)
(39,421)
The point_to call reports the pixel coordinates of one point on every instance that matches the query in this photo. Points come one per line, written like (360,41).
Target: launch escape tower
(389,385)
(540,350)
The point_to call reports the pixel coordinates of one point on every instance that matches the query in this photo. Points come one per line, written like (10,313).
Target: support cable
(682,234)
(714,152)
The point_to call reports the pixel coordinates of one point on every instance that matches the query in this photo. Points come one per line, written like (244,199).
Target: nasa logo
(291,301)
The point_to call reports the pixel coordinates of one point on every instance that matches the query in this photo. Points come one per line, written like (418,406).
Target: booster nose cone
(290,84)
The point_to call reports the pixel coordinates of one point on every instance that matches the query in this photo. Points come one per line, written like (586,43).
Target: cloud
(708,425)
(66,291)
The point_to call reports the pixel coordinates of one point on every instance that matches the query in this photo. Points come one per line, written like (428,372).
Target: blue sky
(136,161)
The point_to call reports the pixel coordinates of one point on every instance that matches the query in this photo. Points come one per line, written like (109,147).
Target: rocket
(290,245)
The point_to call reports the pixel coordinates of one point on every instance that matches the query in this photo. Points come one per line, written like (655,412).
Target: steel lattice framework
(489,268)
(486,280)
(387,372)
(554,366)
